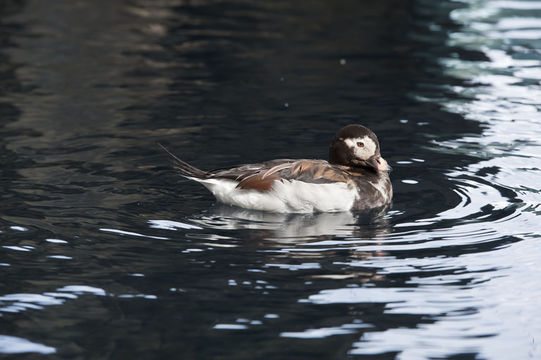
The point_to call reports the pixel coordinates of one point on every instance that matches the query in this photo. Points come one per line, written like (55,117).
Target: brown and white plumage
(354,178)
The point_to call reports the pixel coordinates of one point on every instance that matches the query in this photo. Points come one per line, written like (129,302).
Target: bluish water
(106,253)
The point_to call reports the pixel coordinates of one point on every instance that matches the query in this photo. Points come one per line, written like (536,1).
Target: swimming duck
(356,177)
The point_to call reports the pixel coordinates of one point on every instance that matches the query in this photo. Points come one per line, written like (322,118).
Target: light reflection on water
(106,233)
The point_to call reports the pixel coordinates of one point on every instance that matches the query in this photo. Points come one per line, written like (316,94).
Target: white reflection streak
(16,345)
(129,233)
(318,333)
(171,225)
(15,303)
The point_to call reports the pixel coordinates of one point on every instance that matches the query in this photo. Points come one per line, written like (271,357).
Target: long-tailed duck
(356,177)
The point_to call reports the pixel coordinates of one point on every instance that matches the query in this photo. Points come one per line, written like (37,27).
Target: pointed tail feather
(184,168)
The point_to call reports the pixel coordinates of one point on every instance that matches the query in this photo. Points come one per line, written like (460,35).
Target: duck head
(357,146)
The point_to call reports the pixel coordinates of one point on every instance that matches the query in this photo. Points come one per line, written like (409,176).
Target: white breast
(285,196)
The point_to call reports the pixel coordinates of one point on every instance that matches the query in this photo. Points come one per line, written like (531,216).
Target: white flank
(285,196)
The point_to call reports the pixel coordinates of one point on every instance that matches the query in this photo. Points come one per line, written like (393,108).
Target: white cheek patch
(365,152)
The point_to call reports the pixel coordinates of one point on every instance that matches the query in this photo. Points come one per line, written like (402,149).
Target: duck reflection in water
(299,241)
(282,229)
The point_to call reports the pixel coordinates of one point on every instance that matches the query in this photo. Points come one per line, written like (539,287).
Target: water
(106,253)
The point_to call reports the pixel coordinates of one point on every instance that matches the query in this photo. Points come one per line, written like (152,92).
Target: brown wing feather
(310,171)
(258,182)
(241,172)
(262,176)
(277,168)
(315,171)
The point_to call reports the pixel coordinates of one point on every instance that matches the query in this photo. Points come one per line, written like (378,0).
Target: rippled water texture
(106,253)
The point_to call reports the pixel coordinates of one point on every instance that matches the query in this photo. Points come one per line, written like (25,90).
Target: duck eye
(360,144)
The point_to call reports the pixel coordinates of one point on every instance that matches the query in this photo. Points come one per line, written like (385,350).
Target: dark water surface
(106,253)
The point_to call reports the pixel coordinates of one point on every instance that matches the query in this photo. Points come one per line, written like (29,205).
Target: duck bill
(379,164)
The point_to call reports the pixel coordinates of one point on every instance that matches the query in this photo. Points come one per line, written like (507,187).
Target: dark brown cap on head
(355,131)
